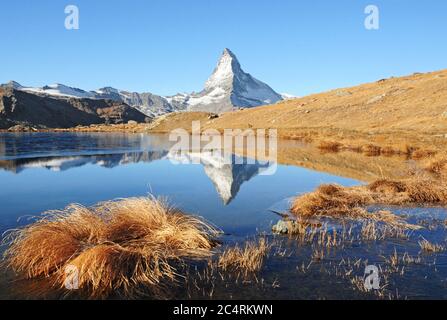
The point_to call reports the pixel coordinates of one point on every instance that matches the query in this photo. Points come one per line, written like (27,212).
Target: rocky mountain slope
(147,103)
(21,108)
(150,104)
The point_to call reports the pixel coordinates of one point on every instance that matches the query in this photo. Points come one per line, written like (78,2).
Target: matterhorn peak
(228,55)
(229,88)
(223,74)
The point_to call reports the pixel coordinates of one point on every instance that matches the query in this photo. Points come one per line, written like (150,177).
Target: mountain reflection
(64,151)
(226,177)
(70,162)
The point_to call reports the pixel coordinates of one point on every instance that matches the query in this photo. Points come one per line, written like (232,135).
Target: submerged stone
(283,227)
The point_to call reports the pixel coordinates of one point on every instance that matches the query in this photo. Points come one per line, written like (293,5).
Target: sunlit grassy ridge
(397,114)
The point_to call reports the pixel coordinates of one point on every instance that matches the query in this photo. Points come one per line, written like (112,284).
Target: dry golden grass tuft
(247,259)
(437,165)
(330,146)
(350,202)
(331,200)
(429,247)
(117,246)
(423,154)
(373,150)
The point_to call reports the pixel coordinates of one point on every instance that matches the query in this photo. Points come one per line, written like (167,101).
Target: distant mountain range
(228,88)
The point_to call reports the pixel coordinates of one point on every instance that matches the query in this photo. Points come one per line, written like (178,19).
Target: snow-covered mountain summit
(230,87)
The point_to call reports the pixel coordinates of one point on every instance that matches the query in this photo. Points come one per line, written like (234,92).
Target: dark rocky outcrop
(25,109)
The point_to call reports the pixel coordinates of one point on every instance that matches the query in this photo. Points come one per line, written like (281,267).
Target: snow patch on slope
(216,95)
(287,96)
(60,90)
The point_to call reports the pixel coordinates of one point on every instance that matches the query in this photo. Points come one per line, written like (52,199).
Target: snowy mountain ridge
(228,88)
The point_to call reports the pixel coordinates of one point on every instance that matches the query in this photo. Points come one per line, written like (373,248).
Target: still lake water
(45,171)
(48,171)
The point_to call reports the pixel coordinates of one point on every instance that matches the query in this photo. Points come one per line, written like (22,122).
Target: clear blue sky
(167,46)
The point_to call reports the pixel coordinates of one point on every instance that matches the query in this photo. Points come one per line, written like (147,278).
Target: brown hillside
(414,103)
(411,109)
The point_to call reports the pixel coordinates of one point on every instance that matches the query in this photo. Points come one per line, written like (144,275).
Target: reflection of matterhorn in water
(227,173)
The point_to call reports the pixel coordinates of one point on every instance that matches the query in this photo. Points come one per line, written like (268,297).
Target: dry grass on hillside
(414,103)
(117,246)
(399,115)
(350,202)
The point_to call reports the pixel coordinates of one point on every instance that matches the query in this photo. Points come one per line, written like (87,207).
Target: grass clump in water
(429,247)
(350,202)
(116,246)
(248,259)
